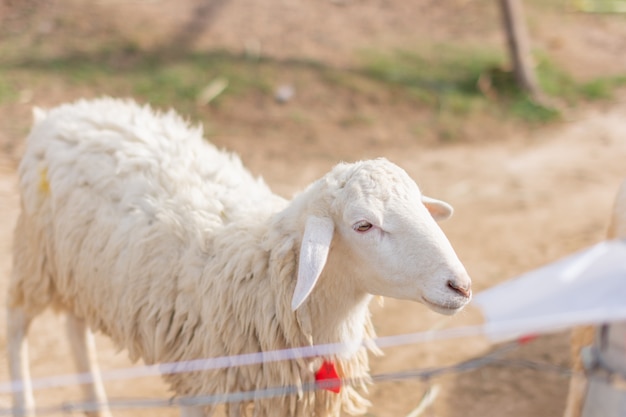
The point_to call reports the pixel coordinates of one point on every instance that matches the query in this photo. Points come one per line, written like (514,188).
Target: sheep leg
(17,349)
(84,351)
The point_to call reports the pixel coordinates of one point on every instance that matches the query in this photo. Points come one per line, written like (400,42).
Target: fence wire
(244,359)
(493,358)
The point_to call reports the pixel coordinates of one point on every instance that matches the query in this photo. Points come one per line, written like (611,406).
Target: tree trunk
(519,47)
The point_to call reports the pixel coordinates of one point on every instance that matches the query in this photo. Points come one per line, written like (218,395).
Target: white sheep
(583,336)
(135,226)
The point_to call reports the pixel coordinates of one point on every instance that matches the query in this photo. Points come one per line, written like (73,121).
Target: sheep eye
(362,226)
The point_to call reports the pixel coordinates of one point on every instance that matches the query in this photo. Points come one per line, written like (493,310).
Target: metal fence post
(606,393)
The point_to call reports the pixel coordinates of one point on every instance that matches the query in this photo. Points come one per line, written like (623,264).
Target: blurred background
(402,73)
(296,86)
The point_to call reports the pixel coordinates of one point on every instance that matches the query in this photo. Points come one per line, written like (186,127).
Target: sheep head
(375,221)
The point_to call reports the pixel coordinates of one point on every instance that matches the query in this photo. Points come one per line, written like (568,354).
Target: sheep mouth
(445,309)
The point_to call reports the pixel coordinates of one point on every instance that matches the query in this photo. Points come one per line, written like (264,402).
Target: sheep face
(384,233)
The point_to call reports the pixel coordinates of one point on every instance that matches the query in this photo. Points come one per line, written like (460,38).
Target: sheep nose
(463,289)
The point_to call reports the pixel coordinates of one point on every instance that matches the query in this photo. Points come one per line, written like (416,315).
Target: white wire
(240,360)
(491,358)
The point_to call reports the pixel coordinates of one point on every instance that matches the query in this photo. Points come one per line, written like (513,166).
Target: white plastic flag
(588,287)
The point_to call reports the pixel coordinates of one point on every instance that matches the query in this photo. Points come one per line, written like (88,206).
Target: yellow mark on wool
(44,184)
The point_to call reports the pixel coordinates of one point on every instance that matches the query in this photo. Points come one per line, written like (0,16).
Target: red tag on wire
(526,339)
(327,378)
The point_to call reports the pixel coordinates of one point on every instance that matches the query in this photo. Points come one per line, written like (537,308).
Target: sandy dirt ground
(520,201)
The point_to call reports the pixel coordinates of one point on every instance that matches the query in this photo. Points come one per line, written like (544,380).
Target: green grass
(440,79)
(602,88)
(557,83)
(7,92)
(162,81)
(441,70)
(448,79)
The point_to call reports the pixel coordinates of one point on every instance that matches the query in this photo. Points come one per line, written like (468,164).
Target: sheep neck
(338,308)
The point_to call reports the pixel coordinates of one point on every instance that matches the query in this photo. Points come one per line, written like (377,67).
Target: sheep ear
(318,233)
(440,210)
